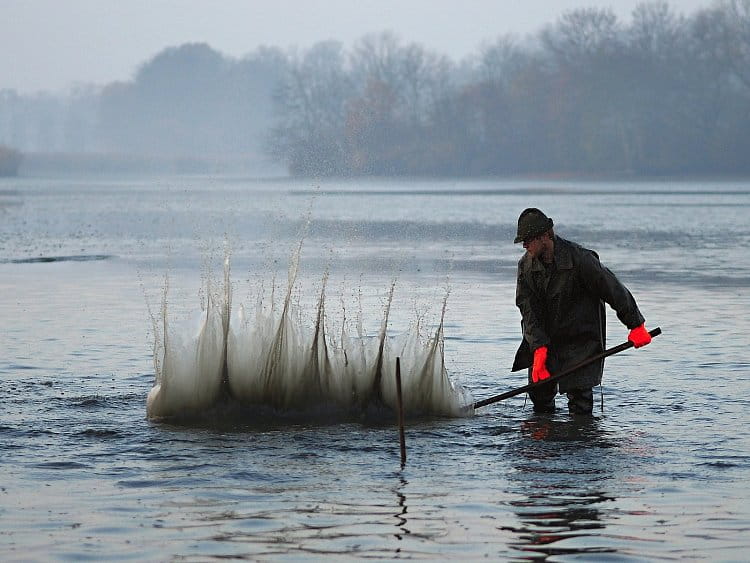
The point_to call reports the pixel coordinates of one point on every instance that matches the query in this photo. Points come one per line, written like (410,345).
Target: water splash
(189,364)
(268,357)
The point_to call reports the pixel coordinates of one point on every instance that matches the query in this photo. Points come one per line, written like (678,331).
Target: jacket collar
(563,257)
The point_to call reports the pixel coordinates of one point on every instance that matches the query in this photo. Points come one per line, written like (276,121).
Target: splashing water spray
(269,358)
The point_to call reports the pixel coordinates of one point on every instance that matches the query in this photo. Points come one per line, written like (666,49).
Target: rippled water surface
(661,474)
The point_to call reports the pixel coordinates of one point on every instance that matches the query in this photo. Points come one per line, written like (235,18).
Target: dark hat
(531,223)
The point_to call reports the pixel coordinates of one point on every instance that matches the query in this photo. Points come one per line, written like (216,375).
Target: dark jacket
(563,308)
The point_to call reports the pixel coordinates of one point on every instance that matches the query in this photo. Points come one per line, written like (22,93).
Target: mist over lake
(660,91)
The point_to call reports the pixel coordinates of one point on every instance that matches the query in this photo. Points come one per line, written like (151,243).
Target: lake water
(91,268)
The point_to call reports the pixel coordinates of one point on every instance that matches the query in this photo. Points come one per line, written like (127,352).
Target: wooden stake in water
(400,406)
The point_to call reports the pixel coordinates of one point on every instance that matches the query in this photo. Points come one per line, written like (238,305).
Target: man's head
(535,232)
(532,223)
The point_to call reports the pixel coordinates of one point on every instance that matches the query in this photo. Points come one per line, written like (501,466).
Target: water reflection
(403,509)
(575,428)
(560,478)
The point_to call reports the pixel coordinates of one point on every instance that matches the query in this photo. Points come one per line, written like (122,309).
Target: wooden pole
(400,405)
(512,393)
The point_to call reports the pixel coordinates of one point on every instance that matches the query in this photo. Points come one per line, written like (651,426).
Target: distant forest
(661,94)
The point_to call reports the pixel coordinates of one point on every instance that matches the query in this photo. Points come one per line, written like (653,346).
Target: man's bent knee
(543,398)
(581,401)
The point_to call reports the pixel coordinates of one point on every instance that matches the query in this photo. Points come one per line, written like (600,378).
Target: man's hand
(639,336)
(539,370)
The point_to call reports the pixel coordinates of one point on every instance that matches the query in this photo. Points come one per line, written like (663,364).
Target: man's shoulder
(575,249)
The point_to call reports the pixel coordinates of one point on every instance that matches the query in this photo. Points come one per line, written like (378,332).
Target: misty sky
(54,44)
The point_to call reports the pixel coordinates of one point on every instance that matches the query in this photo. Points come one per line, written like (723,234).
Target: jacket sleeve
(605,285)
(528,303)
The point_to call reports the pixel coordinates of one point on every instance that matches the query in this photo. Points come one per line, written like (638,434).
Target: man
(561,290)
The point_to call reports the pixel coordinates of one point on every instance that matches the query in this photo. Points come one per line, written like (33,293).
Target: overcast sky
(54,44)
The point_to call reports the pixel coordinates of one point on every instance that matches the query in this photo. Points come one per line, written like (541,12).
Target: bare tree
(311,101)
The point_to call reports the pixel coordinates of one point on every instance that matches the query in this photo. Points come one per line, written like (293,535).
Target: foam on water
(268,356)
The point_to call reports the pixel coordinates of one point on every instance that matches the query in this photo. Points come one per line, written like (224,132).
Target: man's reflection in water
(561,474)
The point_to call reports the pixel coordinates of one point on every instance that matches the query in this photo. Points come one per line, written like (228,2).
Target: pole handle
(609,352)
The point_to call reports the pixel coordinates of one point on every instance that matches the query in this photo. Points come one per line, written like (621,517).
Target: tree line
(663,93)
(188,102)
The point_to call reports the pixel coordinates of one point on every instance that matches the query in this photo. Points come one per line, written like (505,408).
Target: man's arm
(530,307)
(605,285)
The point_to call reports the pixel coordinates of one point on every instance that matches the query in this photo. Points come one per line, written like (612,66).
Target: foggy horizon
(94,44)
(662,92)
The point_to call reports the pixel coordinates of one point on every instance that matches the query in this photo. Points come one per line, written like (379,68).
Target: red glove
(639,336)
(539,370)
